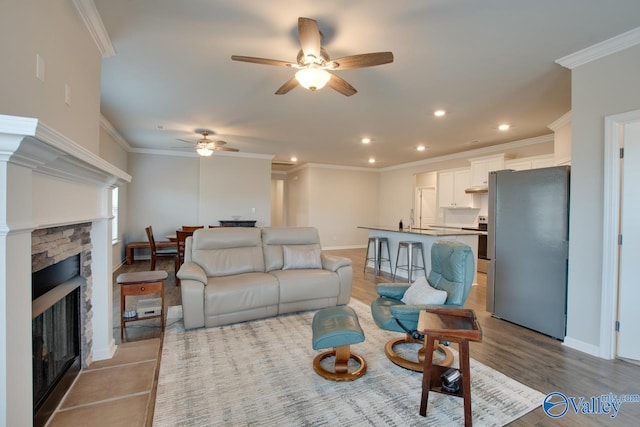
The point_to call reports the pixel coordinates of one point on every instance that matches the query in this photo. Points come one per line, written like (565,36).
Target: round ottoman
(337,328)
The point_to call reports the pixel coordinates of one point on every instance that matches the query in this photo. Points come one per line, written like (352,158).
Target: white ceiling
(485,62)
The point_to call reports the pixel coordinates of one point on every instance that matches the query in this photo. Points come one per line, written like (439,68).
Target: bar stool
(409,266)
(377,257)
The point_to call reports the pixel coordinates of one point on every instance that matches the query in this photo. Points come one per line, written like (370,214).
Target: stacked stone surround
(52,245)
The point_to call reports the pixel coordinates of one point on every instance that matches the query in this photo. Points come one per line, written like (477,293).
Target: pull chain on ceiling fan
(313,62)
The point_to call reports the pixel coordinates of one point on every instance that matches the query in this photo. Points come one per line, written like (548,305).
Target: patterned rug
(261,373)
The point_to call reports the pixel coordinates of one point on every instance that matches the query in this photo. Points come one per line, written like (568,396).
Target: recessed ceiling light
(372,160)
(504,127)
(421,148)
(439,113)
(366,140)
(294,159)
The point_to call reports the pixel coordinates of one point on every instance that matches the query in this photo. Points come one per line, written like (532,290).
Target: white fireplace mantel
(46,180)
(31,143)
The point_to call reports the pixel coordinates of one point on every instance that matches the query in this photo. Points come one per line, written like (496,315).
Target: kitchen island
(427,236)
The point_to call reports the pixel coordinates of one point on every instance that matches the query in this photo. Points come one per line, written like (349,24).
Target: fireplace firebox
(55,334)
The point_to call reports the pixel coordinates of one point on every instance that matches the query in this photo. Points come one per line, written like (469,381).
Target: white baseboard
(582,346)
(337,248)
(114,269)
(105,353)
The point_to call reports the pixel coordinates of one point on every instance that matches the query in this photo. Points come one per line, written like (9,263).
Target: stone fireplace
(50,185)
(62,311)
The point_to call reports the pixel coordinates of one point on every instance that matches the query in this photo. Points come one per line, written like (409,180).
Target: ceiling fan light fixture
(204,151)
(312,78)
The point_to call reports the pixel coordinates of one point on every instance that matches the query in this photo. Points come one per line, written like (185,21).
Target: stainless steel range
(482,243)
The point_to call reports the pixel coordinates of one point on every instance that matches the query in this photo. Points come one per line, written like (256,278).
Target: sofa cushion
(301,256)
(300,285)
(228,250)
(239,292)
(274,238)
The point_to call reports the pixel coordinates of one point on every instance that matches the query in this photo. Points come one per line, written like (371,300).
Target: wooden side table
(140,283)
(446,324)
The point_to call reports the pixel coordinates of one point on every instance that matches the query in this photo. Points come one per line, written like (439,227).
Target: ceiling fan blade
(341,85)
(310,38)
(263,61)
(361,61)
(225,149)
(184,140)
(287,86)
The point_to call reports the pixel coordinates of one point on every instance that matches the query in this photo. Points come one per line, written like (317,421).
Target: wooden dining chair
(155,253)
(181,236)
(191,227)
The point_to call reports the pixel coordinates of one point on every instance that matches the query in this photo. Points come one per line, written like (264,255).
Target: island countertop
(431,231)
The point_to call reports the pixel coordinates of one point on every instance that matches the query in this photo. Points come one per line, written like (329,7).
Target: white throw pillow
(421,292)
(301,257)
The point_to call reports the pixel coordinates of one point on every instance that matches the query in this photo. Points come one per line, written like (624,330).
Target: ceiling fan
(313,62)
(205,146)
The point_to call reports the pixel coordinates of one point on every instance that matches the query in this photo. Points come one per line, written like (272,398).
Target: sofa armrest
(334,262)
(192,292)
(192,271)
(392,290)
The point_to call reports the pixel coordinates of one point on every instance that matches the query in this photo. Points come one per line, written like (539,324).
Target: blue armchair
(452,270)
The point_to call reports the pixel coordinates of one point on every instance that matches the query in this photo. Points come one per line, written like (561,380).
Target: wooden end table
(140,283)
(446,324)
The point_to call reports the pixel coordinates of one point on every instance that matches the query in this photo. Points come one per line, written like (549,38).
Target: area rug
(260,373)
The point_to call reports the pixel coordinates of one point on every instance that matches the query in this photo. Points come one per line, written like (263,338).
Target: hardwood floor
(534,359)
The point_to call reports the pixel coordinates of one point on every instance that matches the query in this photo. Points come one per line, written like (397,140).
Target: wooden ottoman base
(341,364)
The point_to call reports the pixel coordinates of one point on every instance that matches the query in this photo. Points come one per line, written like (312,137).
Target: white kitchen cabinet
(518,164)
(542,163)
(530,163)
(451,186)
(481,167)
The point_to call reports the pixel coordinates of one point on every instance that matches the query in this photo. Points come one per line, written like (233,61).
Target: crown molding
(108,127)
(600,50)
(192,153)
(92,20)
(565,119)
(329,166)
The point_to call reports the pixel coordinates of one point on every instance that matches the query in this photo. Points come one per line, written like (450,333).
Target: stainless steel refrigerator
(527,248)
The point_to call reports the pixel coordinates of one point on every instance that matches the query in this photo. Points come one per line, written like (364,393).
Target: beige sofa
(234,274)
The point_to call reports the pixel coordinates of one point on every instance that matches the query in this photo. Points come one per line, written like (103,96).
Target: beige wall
(234,186)
(55,31)
(167,192)
(600,88)
(340,200)
(277,203)
(335,200)
(163,193)
(298,189)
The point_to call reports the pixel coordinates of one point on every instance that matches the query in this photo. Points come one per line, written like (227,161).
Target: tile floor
(119,392)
